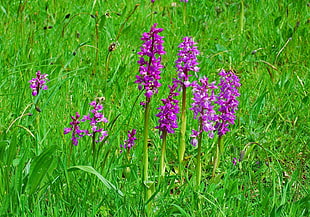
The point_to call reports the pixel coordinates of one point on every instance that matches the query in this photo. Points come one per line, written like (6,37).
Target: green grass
(266,43)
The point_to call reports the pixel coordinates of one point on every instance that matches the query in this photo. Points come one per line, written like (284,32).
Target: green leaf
(181,210)
(39,168)
(91,170)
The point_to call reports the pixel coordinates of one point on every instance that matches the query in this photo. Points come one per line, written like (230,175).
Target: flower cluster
(167,115)
(203,108)
(77,133)
(38,83)
(95,119)
(130,142)
(187,60)
(150,61)
(227,101)
(183,0)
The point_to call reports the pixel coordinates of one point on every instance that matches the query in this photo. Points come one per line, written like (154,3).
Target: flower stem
(94,148)
(219,149)
(198,166)
(183,126)
(242,17)
(145,161)
(163,156)
(184,14)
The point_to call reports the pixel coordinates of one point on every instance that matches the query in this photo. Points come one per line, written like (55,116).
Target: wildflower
(77,133)
(187,60)
(203,109)
(235,161)
(227,101)
(38,83)
(94,120)
(150,61)
(183,0)
(130,142)
(167,115)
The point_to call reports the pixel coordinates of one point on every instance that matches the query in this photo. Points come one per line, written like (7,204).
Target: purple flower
(150,61)
(235,160)
(167,115)
(38,83)
(130,142)
(77,133)
(187,60)
(203,108)
(227,101)
(183,0)
(94,119)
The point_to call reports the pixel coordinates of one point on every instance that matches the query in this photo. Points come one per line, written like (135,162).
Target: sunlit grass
(43,174)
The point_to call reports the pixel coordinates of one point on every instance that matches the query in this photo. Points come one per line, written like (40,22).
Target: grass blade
(90,169)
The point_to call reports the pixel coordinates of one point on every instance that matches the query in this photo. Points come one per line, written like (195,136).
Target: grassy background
(265,42)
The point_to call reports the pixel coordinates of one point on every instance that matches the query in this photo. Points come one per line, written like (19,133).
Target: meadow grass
(42,174)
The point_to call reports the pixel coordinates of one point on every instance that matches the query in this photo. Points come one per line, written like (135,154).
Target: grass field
(89,49)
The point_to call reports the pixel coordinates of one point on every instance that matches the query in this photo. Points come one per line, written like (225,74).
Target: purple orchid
(77,133)
(187,61)
(150,61)
(227,100)
(38,83)
(167,115)
(95,119)
(203,108)
(130,142)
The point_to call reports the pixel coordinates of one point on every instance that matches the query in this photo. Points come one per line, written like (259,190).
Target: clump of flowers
(227,101)
(203,108)
(77,133)
(38,83)
(167,115)
(130,142)
(187,61)
(150,61)
(94,120)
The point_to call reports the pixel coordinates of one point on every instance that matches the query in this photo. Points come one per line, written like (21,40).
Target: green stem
(198,166)
(94,148)
(184,13)
(163,156)
(183,126)
(242,17)
(145,161)
(219,149)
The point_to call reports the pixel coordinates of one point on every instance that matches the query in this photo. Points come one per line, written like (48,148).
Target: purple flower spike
(167,115)
(187,60)
(203,108)
(183,0)
(77,133)
(38,83)
(150,61)
(94,120)
(130,142)
(227,101)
